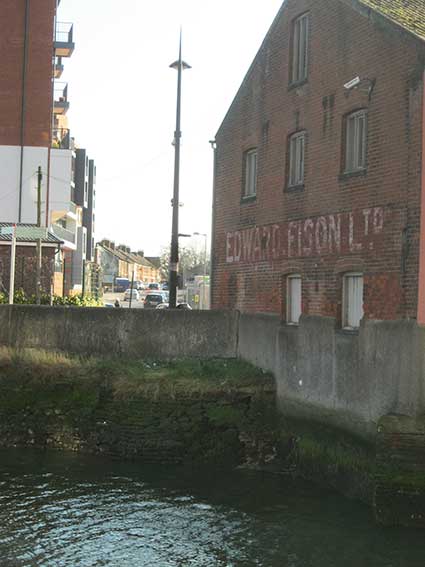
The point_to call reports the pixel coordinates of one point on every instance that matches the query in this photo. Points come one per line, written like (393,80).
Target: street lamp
(180,66)
(205,266)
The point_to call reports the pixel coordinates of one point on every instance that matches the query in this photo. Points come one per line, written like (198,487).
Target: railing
(72,208)
(61,139)
(60,92)
(64,32)
(58,69)
(63,233)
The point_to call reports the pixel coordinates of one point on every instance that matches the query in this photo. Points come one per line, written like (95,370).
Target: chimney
(112,245)
(141,253)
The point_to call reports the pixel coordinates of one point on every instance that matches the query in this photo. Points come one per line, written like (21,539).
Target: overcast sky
(123,100)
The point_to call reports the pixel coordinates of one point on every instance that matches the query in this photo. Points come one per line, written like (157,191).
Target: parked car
(153,299)
(133,293)
(179,306)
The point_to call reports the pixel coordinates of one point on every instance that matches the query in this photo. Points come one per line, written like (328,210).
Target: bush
(20,298)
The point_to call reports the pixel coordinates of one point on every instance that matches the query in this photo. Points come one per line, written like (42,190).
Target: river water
(60,510)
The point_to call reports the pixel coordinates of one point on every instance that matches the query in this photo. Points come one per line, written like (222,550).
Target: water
(68,511)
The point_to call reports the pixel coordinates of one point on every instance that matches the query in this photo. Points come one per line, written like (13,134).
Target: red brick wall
(39,71)
(368,223)
(25,269)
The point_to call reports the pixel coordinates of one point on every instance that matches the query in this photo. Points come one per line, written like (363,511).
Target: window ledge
(248,199)
(352,174)
(296,84)
(349,331)
(294,188)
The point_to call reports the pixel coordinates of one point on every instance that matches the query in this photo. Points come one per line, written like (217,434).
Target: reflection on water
(64,510)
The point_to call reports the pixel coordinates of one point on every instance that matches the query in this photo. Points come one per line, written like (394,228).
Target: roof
(129,257)
(408,14)
(154,260)
(27,233)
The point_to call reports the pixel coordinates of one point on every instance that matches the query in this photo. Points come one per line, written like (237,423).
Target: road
(111,297)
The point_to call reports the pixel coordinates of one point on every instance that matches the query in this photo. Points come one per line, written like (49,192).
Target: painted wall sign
(334,234)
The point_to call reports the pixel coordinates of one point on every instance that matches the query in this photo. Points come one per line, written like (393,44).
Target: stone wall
(159,421)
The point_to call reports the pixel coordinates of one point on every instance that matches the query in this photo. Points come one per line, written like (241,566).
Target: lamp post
(180,66)
(205,267)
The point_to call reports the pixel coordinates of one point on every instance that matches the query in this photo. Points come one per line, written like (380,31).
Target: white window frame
(292,319)
(300,45)
(356,126)
(296,159)
(347,317)
(251,172)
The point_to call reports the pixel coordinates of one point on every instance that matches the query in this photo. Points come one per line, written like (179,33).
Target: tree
(191,259)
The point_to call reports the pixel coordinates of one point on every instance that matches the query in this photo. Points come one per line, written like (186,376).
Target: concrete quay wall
(151,334)
(343,379)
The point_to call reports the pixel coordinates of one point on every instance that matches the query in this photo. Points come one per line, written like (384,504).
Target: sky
(123,104)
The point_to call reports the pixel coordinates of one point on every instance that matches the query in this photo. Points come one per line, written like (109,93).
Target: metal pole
(12,266)
(174,256)
(131,288)
(205,272)
(39,245)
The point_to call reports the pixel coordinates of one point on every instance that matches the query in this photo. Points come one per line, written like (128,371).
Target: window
(352,301)
(293,299)
(300,49)
(355,141)
(296,159)
(250,185)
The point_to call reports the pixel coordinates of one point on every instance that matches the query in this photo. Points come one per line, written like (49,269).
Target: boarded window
(293,299)
(353,301)
(250,188)
(296,159)
(300,49)
(355,141)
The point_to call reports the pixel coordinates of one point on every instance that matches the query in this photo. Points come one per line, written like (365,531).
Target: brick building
(26,260)
(320,167)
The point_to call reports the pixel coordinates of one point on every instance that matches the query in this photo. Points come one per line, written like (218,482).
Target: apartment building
(34,129)
(319,200)
(32,46)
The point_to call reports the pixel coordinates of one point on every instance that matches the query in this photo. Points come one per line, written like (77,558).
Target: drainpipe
(23,104)
(421,278)
(49,149)
(212,250)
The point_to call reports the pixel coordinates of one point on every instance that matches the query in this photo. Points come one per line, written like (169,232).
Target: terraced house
(319,199)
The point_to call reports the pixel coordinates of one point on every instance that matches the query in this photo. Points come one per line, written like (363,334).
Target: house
(26,259)
(319,191)
(120,262)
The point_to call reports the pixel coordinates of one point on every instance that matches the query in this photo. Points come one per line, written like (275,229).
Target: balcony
(66,235)
(61,104)
(61,139)
(64,44)
(58,69)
